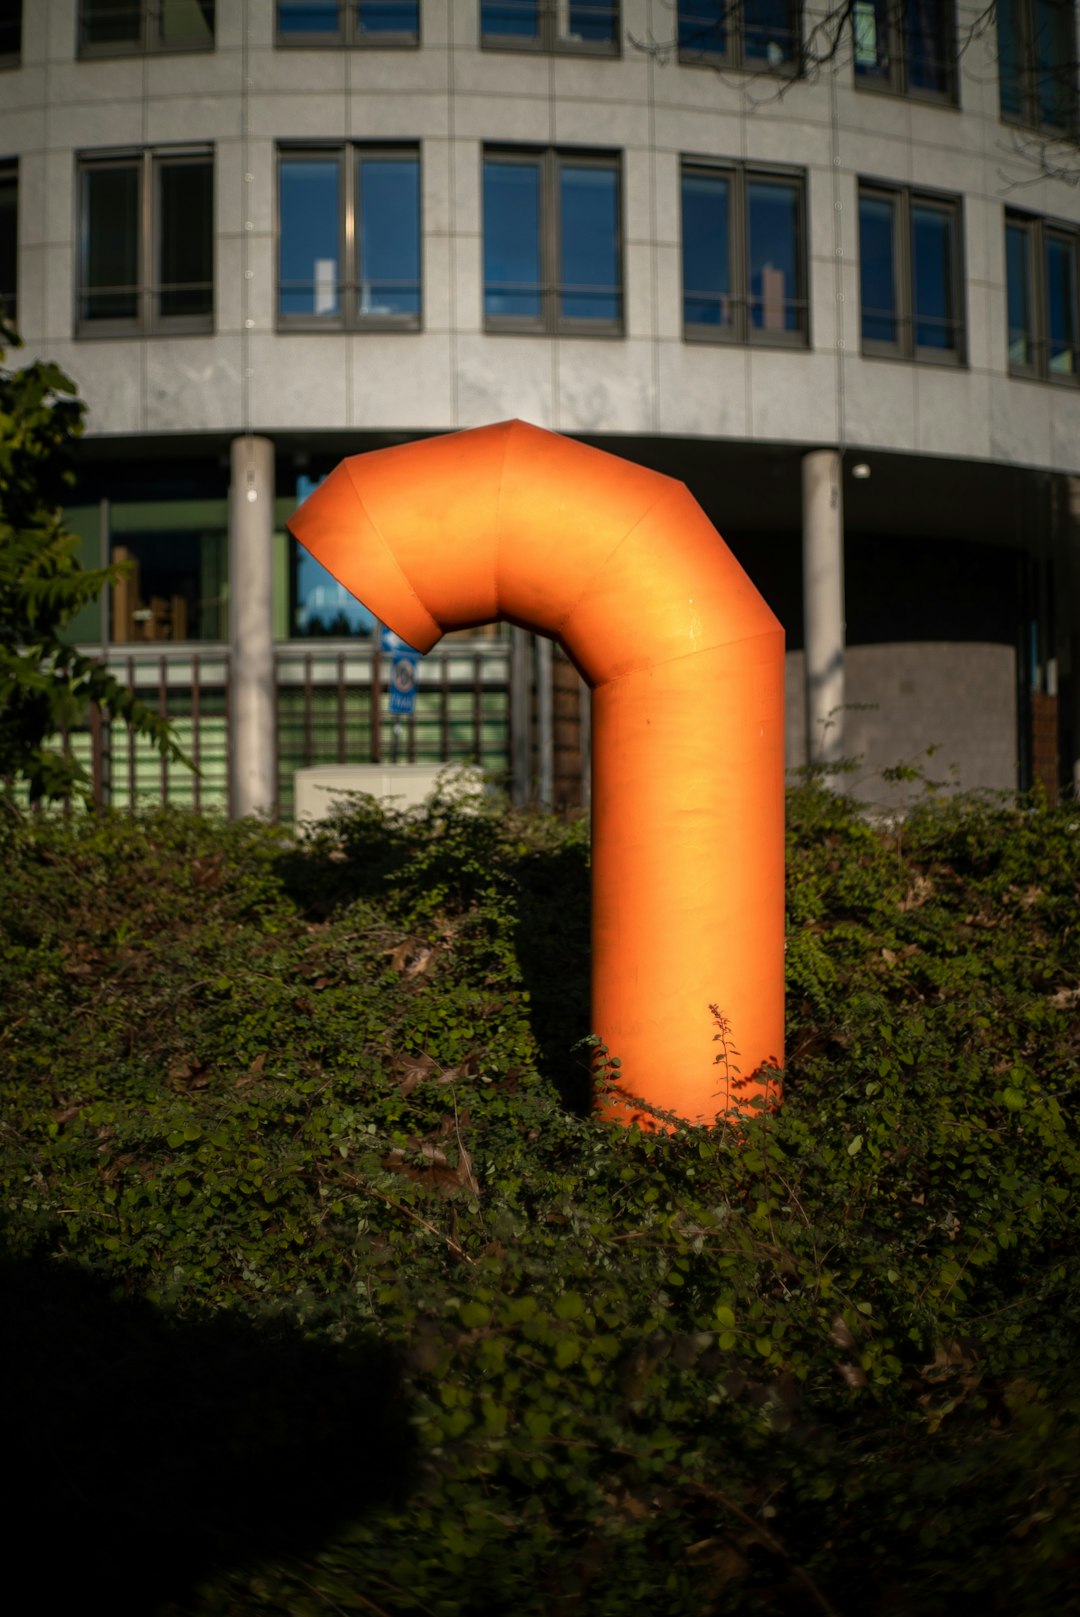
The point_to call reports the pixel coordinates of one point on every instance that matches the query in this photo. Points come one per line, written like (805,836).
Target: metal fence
(331,707)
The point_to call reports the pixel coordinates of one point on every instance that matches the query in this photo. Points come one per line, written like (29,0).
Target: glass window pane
(388,209)
(591,20)
(1010,75)
(767,34)
(11,28)
(388,17)
(1055,63)
(186,248)
(110,244)
(928,24)
(320,605)
(175,583)
(703,25)
(111,22)
(309,270)
(932,248)
(877,269)
(186,22)
(512,239)
(706,248)
(1061,305)
(510,19)
(1018,276)
(773,253)
(589,243)
(307,16)
(9,242)
(870,33)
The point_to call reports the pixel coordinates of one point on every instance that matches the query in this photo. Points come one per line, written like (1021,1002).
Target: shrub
(320,1090)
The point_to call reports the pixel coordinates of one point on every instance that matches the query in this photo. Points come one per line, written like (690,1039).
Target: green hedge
(327,1295)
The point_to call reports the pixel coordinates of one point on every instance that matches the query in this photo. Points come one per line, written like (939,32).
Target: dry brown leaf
(917,894)
(254,1072)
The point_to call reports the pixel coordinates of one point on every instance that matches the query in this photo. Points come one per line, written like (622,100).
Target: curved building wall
(963,450)
(248,96)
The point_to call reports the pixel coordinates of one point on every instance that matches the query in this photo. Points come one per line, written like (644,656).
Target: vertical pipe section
(823,604)
(252,761)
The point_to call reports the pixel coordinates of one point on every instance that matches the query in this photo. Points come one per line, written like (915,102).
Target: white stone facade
(451,97)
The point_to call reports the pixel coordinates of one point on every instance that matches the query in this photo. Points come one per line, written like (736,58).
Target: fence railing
(331,707)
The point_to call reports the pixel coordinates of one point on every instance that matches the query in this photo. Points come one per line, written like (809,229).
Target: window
(349,237)
(1037,64)
(552,242)
(117,27)
(10,33)
(9,240)
(910,275)
(760,35)
(548,25)
(743,254)
(146,243)
(907,46)
(348,22)
(1041,279)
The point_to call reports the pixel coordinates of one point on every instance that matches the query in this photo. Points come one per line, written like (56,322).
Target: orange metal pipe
(686,665)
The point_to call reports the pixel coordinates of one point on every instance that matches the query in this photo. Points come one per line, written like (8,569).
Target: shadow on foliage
(552,941)
(364,854)
(356,855)
(142,1450)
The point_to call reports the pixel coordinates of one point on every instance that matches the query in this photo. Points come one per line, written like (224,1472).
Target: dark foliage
(284,1132)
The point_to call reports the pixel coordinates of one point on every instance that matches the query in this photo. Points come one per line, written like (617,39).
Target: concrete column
(823,604)
(253,753)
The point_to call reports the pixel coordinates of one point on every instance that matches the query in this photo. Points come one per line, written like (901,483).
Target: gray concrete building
(820,264)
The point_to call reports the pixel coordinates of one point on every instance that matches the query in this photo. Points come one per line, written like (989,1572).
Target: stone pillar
(823,604)
(253,749)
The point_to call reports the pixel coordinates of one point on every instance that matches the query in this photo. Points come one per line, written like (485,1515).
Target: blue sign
(403,661)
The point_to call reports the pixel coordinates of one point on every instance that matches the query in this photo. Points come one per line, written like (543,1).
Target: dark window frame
(1029,74)
(11,38)
(1039,232)
(548,40)
(896,81)
(9,296)
(905,348)
(147,44)
(149,163)
(348,34)
(347,317)
(740,175)
(550,322)
(733,55)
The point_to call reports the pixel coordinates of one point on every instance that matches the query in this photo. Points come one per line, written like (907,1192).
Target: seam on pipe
(609,558)
(497,558)
(698,651)
(400,570)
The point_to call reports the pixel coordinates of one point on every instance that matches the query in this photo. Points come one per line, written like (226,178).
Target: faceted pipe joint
(686,666)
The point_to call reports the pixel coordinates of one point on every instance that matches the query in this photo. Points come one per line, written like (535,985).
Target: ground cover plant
(322,1293)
